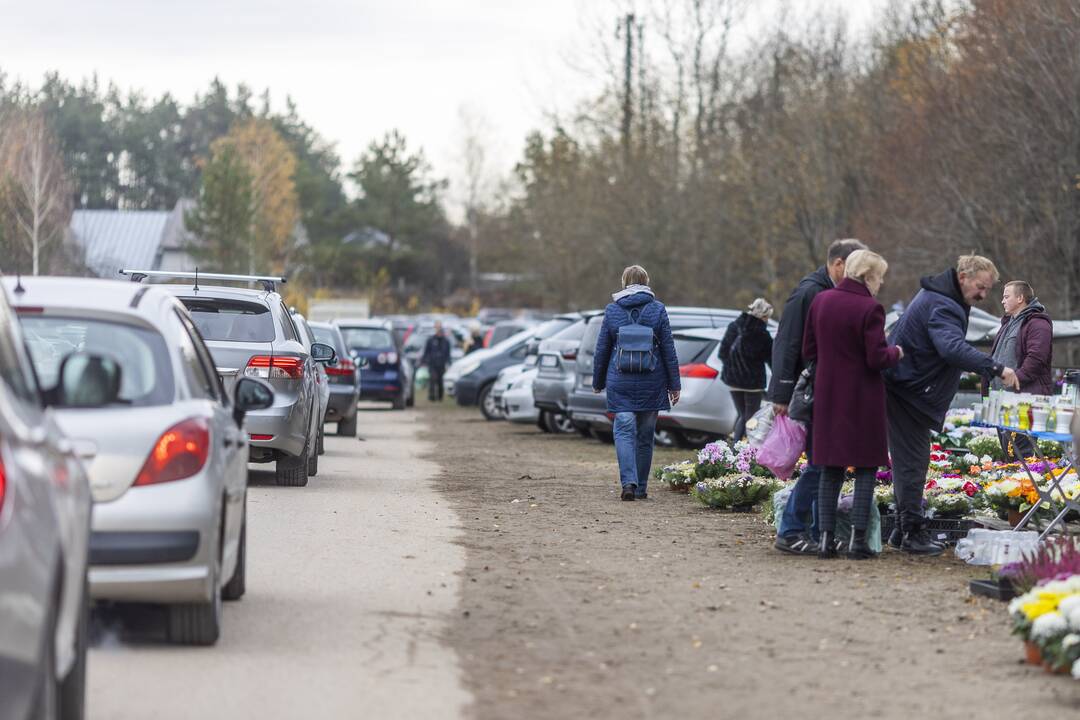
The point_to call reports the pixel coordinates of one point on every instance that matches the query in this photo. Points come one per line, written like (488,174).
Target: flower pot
(1014,517)
(1062,670)
(742,508)
(1032,653)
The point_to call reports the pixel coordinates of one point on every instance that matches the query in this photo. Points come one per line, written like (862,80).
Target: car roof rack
(269,282)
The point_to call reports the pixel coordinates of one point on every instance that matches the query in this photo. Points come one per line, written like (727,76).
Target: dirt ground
(577,605)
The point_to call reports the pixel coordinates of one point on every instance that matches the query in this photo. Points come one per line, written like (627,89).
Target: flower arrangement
(1048,616)
(734,490)
(679,476)
(718,459)
(986,445)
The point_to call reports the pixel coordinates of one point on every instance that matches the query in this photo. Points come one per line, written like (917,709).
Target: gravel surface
(577,605)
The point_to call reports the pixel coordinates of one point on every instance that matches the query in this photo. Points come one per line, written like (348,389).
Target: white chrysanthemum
(1076,670)
(1048,626)
(1073,616)
(1067,605)
(1069,640)
(986,458)
(1016,604)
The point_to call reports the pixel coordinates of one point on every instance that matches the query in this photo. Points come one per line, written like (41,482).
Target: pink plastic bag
(781,450)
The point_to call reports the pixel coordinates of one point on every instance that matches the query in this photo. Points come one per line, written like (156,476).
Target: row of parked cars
(543,375)
(129,412)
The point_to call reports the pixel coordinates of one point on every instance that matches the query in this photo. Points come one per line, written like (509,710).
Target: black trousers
(435,383)
(909,446)
(829,494)
(746,404)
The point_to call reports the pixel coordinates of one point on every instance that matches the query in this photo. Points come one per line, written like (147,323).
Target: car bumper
(589,408)
(552,393)
(152,543)
(518,406)
(342,403)
(381,388)
(287,425)
(466,391)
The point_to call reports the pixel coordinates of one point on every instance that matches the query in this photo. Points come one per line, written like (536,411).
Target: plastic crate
(943,530)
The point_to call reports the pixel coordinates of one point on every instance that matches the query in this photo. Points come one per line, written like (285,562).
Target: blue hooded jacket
(636,392)
(933,333)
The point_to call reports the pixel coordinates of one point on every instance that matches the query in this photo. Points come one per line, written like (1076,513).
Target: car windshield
(358,338)
(145,370)
(232,320)
(574,332)
(592,332)
(510,342)
(549,328)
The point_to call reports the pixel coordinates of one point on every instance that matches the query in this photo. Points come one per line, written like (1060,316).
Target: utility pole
(628,87)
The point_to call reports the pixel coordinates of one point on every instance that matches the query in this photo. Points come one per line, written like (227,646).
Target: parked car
(506,378)
(387,374)
(705,410)
(517,399)
(344,377)
(44,534)
(322,378)
(166,456)
(251,333)
(556,373)
(588,410)
(471,380)
(504,329)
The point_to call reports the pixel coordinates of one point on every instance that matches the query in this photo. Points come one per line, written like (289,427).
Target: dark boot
(916,540)
(628,492)
(859,549)
(827,546)
(896,536)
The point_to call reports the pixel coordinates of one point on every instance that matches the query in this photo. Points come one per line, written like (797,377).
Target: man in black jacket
(798,524)
(436,356)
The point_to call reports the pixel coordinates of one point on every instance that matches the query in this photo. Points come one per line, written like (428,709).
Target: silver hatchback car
(251,333)
(167,460)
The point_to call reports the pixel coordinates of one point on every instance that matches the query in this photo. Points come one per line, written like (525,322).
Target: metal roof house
(108,240)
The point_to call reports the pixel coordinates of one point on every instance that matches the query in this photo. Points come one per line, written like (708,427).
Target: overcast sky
(356,68)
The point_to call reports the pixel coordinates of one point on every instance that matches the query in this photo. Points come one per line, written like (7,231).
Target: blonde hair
(863,263)
(634,275)
(974,264)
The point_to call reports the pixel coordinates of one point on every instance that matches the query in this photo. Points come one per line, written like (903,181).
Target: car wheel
(347,428)
(605,436)
(313,464)
(694,439)
(486,401)
(198,623)
(399,401)
(583,430)
(664,438)
(237,585)
(319,443)
(73,686)
(411,400)
(292,471)
(542,421)
(560,424)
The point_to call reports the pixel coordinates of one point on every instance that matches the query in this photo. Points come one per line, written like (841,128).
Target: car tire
(197,623)
(692,439)
(605,436)
(347,428)
(73,686)
(665,438)
(399,402)
(320,445)
(292,471)
(313,464)
(583,430)
(486,401)
(411,400)
(542,421)
(560,424)
(237,585)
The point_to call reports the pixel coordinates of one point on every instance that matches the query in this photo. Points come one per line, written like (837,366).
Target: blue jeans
(802,502)
(634,447)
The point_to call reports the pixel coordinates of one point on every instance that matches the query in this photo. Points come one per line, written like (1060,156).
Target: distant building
(108,240)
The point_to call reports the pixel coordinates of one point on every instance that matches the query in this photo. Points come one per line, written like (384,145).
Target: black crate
(996,589)
(943,530)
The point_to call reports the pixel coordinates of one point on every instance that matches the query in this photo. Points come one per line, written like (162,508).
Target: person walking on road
(745,350)
(933,332)
(635,362)
(1025,342)
(798,523)
(845,341)
(436,356)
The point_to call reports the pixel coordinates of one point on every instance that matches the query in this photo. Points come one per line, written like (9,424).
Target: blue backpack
(635,351)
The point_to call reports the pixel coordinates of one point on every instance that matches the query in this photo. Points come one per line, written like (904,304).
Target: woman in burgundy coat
(845,338)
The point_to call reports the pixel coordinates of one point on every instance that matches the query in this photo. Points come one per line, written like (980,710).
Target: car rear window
(367,338)
(145,369)
(233,320)
(691,350)
(325,336)
(592,332)
(574,332)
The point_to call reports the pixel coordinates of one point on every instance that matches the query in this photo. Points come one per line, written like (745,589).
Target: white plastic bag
(759,426)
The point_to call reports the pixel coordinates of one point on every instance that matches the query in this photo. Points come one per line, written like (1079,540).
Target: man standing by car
(436,356)
(798,524)
(919,390)
(1025,342)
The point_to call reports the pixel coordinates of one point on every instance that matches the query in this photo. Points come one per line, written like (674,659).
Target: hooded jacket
(933,333)
(636,392)
(1034,349)
(787,360)
(745,349)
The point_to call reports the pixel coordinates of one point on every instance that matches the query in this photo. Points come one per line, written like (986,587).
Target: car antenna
(19,289)
(196,288)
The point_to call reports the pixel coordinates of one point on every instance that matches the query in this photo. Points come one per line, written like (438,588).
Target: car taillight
(698,370)
(179,453)
(569,354)
(3,483)
(344,367)
(387,358)
(487,337)
(275,368)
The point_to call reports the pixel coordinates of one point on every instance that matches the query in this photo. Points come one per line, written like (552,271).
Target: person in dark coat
(1025,342)
(436,356)
(797,530)
(636,398)
(933,332)
(745,350)
(845,339)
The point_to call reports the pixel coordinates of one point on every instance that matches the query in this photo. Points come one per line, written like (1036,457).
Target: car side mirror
(251,394)
(361,362)
(323,353)
(86,381)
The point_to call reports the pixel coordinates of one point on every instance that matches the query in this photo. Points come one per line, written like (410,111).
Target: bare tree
(37,197)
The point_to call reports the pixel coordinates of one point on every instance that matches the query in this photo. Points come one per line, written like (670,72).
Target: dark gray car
(556,370)
(344,378)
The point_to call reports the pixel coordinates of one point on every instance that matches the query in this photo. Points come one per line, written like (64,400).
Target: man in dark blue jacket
(933,333)
(436,356)
(798,523)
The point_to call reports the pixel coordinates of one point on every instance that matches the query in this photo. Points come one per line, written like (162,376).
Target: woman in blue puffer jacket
(636,397)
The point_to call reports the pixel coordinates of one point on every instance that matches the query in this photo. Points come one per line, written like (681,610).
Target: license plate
(548,361)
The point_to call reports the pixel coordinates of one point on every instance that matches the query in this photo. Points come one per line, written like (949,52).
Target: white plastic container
(1064,419)
(995,547)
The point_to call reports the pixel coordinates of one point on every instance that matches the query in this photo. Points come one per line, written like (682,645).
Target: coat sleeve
(1036,361)
(667,353)
(424,355)
(729,339)
(879,355)
(766,348)
(946,331)
(602,356)
(787,349)
(809,341)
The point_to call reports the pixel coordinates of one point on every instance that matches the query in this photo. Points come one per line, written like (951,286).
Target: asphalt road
(351,582)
